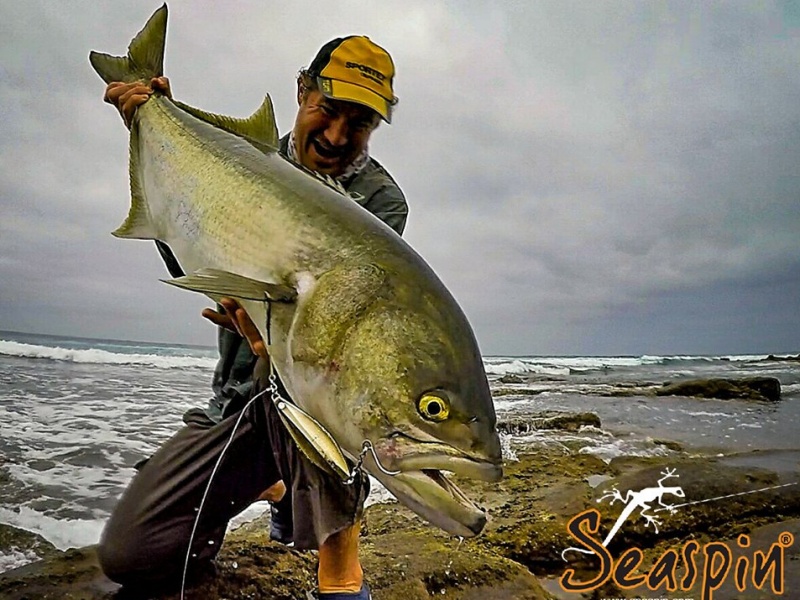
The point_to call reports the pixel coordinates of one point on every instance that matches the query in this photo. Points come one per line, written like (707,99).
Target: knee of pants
(130,561)
(116,560)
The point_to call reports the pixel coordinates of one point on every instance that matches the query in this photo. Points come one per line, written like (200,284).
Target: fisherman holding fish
(342,97)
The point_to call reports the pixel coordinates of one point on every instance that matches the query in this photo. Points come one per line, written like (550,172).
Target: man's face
(330,134)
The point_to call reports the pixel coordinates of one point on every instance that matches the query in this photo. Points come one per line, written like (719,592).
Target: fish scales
(371,345)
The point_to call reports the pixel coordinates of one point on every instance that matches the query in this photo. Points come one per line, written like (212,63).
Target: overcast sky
(586,177)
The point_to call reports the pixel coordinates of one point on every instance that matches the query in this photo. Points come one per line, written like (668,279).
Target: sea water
(76,415)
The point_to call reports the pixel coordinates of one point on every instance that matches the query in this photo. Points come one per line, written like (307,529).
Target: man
(342,97)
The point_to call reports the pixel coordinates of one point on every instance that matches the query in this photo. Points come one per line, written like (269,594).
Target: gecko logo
(625,570)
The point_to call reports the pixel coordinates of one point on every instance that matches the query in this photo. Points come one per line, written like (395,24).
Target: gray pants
(146,539)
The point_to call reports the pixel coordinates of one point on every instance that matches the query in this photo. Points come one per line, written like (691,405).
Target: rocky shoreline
(760,389)
(748,503)
(519,556)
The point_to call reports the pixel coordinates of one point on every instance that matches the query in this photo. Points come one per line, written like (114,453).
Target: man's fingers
(231,306)
(260,349)
(219,319)
(127,97)
(249,330)
(161,84)
(128,108)
(113,92)
(241,322)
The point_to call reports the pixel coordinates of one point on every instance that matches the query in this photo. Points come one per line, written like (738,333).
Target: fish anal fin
(217,283)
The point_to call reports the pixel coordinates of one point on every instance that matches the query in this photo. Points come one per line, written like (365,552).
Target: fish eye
(433,407)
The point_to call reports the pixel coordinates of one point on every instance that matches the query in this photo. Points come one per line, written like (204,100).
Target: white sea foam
(520,366)
(250,513)
(96,356)
(378,494)
(706,413)
(619,447)
(62,533)
(12,558)
(564,365)
(505,445)
(72,433)
(792,388)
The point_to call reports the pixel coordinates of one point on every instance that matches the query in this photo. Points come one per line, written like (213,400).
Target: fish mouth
(402,452)
(435,498)
(418,482)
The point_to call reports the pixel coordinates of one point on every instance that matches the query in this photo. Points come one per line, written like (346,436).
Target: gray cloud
(614,177)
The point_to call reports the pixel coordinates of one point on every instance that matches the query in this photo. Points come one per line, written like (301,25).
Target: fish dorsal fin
(313,439)
(216,283)
(259,128)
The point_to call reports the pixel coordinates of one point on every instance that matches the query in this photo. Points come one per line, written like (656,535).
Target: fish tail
(145,58)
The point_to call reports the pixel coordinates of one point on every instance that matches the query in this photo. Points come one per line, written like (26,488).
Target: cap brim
(349,92)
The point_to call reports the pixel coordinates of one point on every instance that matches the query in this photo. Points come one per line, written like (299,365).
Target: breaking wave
(97,356)
(547,365)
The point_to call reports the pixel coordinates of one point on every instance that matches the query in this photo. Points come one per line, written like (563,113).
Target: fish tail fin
(145,58)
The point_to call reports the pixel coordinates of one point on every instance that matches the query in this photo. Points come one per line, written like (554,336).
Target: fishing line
(208,487)
(773,487)
(675,506)
(276,397)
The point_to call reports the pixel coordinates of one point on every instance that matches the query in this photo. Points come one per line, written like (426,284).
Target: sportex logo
(367,72)
(625,571)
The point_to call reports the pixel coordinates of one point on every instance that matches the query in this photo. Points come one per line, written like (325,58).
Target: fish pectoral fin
(313,439)
(216,283)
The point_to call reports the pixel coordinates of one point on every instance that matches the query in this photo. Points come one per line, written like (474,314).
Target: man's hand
(127,97)
(236,319)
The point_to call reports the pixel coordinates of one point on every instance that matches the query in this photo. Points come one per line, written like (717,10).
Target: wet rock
(715,499)
(629,390)
(415,562)
(511,378)
(748,388)
(18,542)
(669,445)
(549,420)
(517,391)
(531,506)
(248,566)
(407,559)
(403,558)
(72,575)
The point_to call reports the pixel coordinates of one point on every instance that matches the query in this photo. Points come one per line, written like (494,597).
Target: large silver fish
(369,342)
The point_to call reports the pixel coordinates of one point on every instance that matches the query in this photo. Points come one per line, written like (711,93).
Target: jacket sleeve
(389,205)
(376,190)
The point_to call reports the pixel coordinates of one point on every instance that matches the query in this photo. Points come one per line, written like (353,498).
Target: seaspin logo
(718,556)
(366,71)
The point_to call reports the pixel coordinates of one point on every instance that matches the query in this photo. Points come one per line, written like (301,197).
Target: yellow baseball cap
(355,69)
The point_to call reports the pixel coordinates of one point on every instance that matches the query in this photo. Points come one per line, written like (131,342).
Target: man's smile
(327,152)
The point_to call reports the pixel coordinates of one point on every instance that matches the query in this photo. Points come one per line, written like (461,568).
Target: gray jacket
(377,192)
